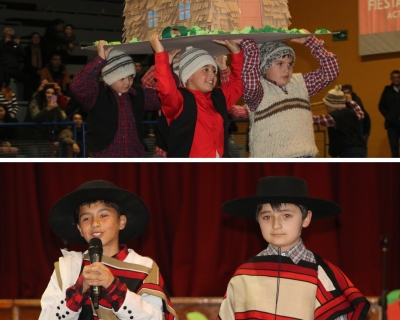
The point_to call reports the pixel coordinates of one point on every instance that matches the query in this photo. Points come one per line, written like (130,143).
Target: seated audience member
(7,96)
(345,140)
(45,106)
(55,71)
(72,146)
(366,122)
(34,59)
(11,52)
(7,133)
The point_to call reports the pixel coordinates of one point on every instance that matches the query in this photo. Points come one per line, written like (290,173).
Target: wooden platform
(27,309)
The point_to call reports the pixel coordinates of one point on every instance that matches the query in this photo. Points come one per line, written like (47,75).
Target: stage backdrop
(197,245)
(379,26)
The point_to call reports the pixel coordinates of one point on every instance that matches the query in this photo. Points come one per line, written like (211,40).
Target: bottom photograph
(200,241)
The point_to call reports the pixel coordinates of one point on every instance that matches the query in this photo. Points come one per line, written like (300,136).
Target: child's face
(203,79)
(123,85)
(282,228)
(99,221)
(281,71)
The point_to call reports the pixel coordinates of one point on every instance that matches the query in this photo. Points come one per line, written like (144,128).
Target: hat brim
(62,215)
(246,207)
(335,106)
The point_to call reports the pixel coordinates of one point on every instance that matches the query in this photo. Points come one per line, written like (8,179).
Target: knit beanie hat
(192,60)
(335,98)
(119,65)
(272,50)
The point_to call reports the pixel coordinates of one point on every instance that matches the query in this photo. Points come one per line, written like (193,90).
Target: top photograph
(199,79)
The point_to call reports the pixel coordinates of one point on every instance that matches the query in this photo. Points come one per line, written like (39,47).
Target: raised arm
(328,71)
(84,86)
(253,92)
(171,98)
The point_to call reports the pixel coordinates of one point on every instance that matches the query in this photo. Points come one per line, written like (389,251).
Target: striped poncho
(264,287)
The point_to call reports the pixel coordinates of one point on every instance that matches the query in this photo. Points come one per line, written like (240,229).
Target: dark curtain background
(197,245)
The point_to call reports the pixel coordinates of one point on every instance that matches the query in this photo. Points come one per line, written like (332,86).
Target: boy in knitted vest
(280,116)
(286,280)
(197,113)
(115,107)
(343,122)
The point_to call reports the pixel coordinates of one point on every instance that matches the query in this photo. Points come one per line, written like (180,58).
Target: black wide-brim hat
(62,215)
(281,190)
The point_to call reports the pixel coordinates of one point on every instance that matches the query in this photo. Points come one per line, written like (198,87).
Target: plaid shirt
(296,253)
(126,142)
(328,121)
(114,294)
(315,80)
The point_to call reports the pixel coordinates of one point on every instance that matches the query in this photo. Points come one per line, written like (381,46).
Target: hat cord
(278,281)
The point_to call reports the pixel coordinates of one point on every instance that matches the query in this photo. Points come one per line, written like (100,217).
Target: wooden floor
(22,309)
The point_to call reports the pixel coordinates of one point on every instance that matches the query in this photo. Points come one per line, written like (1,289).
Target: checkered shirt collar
(296,253)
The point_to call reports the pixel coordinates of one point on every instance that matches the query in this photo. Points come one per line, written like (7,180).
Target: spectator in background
(366,122)
(67,49)
(72,146)
(54,38)
(343,122)
(11,52)
(389,106)
(34,59)
(140,72)
(7,133)
(45,106)
(7,96)
(56,72)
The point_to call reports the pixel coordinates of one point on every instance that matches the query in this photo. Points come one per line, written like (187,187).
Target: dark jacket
(346,134)
(10,56)
(389,106)
(366,122)
(102,121)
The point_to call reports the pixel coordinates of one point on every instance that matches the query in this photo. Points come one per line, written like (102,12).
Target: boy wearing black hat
(131,285)
(286,280)
(115,107)
(280,116)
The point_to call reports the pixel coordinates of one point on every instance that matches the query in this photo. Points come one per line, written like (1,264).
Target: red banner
(377,16)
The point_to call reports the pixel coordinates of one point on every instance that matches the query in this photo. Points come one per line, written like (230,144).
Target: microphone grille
(95,243)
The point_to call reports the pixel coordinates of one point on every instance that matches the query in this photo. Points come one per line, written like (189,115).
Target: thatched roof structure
(212,14)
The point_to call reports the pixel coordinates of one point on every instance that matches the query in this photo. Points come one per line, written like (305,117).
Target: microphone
(95,254)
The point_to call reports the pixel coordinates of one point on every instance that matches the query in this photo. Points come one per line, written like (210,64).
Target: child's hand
(348,97)
(97,274)
(303,39)
(103,53)
(156,43)
(221,62)
(232,45)
(172,54)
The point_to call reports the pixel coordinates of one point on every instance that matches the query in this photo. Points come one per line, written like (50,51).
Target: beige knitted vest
(282,125)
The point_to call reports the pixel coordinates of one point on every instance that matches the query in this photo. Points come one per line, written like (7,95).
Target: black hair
(41,98)
(394,72)
(69,25)
(276,206)
(106,203)
(347,87)
(33,33)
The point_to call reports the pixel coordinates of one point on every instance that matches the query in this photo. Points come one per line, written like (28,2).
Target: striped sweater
(282,125)
(11,106)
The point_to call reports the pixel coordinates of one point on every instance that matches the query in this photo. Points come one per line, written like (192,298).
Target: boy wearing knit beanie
(115,106)
(197,112)
(343,122)
(281,124)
